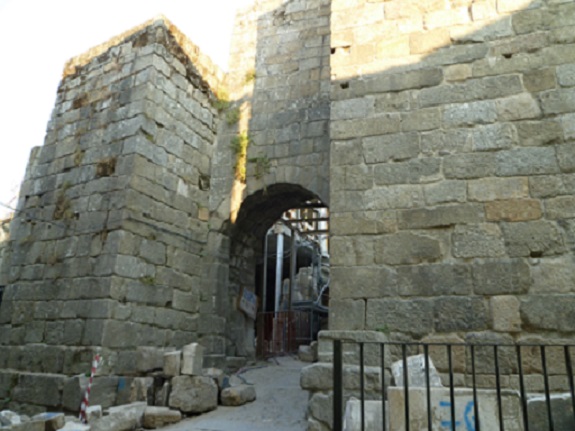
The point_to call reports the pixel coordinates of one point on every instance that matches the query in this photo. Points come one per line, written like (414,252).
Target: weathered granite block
(453,314)
(407,248)
(434,280)
(481,240)
(194,394)
(172,363)
(396,315)
(534,238)
(347,314)
(535,312)
(192,359)
(499,277)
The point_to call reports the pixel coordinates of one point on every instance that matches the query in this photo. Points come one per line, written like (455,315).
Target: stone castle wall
(440,134)
(452,168)
(105,253)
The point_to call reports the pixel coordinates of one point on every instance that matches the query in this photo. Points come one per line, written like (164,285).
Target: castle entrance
(280,266)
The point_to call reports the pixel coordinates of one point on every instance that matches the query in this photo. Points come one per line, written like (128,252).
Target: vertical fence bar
(362,386)
(547,393)
(405,384)
(498,386)
(337,386)
(427,386)
(382,354)
(451,388)
(522,389)
(569,366)
(474,383)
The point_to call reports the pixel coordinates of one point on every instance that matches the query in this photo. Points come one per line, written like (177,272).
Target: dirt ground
(280,405)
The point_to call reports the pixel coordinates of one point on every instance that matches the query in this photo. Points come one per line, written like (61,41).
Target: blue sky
(37,37)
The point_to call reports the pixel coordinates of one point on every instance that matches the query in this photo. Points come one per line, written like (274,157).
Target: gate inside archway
(279,271)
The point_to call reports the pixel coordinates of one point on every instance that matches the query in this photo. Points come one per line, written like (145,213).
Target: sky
(37,37)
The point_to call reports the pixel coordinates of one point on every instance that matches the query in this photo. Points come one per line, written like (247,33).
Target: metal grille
(501,371)
(282,332)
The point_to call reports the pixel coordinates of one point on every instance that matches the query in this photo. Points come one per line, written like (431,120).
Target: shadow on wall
(452,162)
(277,129)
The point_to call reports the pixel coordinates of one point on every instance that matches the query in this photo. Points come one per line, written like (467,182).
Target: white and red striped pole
(85,401)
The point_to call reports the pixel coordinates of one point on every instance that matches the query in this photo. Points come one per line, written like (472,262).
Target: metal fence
(496,376)
(283,332)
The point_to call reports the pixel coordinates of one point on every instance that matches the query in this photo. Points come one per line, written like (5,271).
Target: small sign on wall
(248,303)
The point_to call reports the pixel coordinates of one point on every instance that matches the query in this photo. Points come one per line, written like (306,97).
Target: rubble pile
(182,387)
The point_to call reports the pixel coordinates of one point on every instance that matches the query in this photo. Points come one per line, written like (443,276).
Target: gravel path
(280,405)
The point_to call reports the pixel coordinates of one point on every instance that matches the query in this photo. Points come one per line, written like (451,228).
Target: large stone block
(505,311)
(121,418)
(442,216)
(158,417)
(494,137)
(491,189)
(534,238)
(394,315)
(445,192)
(73,392)
(553,275)
(416,372)
(406,248)
(372,415)
(424,42)
(194,394)
(539,133)
(421,119)
(434,280)
(454,314)
(469,114)
(365,222)
(558,101)
(396,147)
(561,408)
(441,408)
(372,352)
(39,389)
(527,161)
(52,421)
(321,410)
(411,172)
(394,82)
(466,166)
(513,210)
(172,363)
(518,107)
(493,277)
(363,282)
(347,314)
(471,90)
(238,395)
(482,240)
(377,125)
(388,198)
(566,157)
(192,359)
(540,80)
(535,312)
(319,377)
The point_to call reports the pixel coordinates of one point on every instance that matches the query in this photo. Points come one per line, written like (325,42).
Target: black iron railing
(487,373)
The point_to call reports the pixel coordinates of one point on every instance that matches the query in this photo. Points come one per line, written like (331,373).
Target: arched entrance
(279,253)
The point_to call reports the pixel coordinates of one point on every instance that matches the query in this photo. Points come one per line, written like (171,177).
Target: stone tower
(439,133)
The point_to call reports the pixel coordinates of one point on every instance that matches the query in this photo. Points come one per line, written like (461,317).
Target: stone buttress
(106,246)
